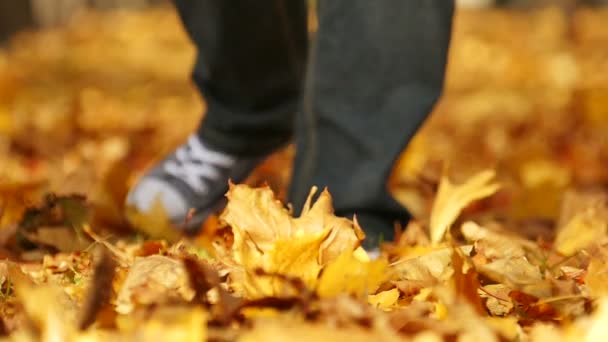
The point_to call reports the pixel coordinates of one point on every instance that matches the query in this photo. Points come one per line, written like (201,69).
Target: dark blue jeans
(352,100)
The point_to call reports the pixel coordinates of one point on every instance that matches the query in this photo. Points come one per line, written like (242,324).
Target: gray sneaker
(194,177)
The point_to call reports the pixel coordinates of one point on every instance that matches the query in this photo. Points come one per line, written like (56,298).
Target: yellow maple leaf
(349,275)
(384,300)
(294,258)
(255,216)
(452,199)
(267,237)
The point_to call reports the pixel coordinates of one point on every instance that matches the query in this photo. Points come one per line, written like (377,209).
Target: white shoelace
(196,164)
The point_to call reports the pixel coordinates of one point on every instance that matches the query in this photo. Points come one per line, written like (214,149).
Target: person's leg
(376,72)
(250,66)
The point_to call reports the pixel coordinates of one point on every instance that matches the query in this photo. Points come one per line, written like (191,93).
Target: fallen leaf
(434,266)
(153,279)
(494,245)
(267,237)
(100,290)
(497,299)
(466,282)
(56,223)
(531,309)
(452,199)
(347,274)
(384,300)
(513,272)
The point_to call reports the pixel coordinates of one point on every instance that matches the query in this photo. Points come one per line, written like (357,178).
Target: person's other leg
(250,66)
(376,72)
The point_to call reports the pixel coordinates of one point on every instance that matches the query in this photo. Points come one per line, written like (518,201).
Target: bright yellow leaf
(384,300)
(347,274)
(452,199)
(267,237)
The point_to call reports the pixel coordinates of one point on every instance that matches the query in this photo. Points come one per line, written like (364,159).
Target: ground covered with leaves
(507,182)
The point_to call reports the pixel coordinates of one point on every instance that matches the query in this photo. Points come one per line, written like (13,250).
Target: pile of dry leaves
(270,276)
(514,254)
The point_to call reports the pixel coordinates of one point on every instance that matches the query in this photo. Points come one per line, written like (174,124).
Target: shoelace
(197,165)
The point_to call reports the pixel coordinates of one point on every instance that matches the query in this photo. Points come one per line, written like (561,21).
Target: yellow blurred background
(87,101)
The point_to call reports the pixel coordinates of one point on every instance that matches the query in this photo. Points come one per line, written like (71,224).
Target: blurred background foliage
(91,92)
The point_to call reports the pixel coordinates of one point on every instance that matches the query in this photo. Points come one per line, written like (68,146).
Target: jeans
(351,98)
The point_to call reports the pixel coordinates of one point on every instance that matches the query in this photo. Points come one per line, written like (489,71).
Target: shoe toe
(149,189)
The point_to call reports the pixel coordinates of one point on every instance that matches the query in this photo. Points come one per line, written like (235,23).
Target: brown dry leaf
(64,239)
(530,308)
(432,267)
(100,289)
(452,199)
(497,299)
(153,279)
(347,274)
(495,245)
(513,272)
(57,223)
(466,281)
